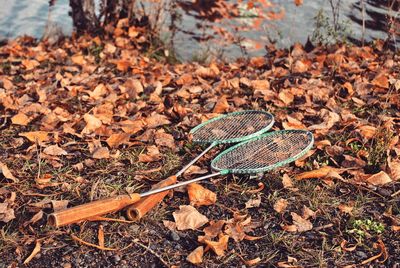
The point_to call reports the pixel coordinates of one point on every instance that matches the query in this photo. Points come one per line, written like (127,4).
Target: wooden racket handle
(92,209)
(136,211)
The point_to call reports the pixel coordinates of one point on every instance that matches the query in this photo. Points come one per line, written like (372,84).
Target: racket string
(264,152)
(234,126)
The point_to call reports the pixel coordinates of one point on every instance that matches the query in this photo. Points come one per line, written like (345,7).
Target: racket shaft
(179,184)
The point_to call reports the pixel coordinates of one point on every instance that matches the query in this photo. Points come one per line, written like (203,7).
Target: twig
(136,241)
(323,227)
(396,193)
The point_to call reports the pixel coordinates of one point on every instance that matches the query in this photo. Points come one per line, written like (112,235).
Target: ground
(90,118)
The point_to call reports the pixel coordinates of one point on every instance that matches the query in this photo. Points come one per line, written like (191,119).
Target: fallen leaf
(20,119)
(315,174)
(301,224)
(221,106)
(117,139)
(156,120)
(7,173)
(253,203)
(219,246)
(214,229)
(34,252)
(164,139)
(132,126)
(153,154)
(59,204)
(100,236)
(394,167)
(286,96)
(196,256)
(187,217)
(101,153)
(35,136)
(280,205)
(346,208)
(92,123)
(260,85)
(99,91)
(30,64)
(194,170)
(200,196)
(381,80)
(54,150)
(6,213)
(253,261)
(380,178)
(367,132)
(298,2)
(308,213)
(170,225)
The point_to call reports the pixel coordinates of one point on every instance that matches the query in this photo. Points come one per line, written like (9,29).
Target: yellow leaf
(200,196)
(196,256)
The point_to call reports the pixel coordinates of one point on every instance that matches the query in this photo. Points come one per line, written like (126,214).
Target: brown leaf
(380,178)
(117,139)
(187,217)
(308,213)
(170,225)
(196,256)
(214,229)
(346,208)
(54,150)
(381,80)
(7,173)
(101,153)
(35,136)
(34,252)
(6,213)
(20,119)
(367,132)
(59,204)
(99,91)
(394,167)
(286,96)
(30,64)
(164,139)
(156,120)
(78,59)
(316,174)
(153,154)
(253,203)
(219,246)
(253,261)
(221,106)
(92,123)
(210,72)
(280,205)
(260,85)
(200,196)
(131,126)
(301,224)
(287,182)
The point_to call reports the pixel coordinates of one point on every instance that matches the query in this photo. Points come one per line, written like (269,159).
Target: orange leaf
(34,252)
(200,196)
(92,123)
(298,2)
(30,64)
(221,106)
(346,208)
(318,173)
(117,139)
(132,126)
(196,256)
(214,229)
(156,120)
(20,119)
(153,154)
(381,81)
(219,246)
(7,173)
(252,262)
(35,136)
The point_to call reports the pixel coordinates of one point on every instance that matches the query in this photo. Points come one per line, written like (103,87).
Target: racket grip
(92,209)
(136,211)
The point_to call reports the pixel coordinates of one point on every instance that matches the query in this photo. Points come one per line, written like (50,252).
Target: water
(23,17)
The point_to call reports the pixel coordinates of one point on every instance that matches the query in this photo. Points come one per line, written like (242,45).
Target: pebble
(174,236)
(361,254)
(116,259)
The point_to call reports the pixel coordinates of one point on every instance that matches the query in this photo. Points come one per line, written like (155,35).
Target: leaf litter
(83,129)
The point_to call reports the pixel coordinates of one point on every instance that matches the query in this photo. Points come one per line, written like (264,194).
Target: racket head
(264,153)
(233,127)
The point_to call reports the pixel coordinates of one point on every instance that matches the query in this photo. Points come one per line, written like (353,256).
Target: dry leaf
(394,167)
(367,132)
(35,136)
(221,106)
(280,205)
(380,178)
(346,208)
(254,203)
(54,150)
(34,252)
(200,196)
(187,217)
(20,119)
(132,126)
(316,174)
(170,225)
(153,154)
(253,261)
(30,64)
(381,80)
(92,123)
(156,120)
(219,246)
(164,139)
(101,153)
(59,204)
(214,229)
(298,2)
(301,224)
(117,139)
(7,173)
(196,256)
(6,213)
(308,213)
